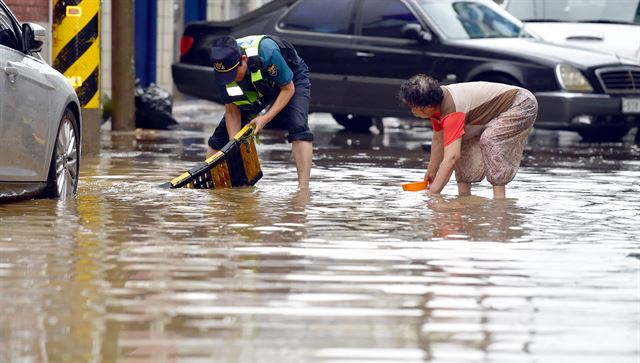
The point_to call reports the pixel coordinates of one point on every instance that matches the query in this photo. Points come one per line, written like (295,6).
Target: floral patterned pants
(496,153)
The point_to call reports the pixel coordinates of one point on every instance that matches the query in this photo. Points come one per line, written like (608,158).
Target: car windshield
(471,19)
(598,11)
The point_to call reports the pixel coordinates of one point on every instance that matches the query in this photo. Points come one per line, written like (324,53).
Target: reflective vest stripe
(251,52)
(256,76)
(234,90)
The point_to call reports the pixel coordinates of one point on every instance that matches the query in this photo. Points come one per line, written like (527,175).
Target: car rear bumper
(563,110)
(195,80)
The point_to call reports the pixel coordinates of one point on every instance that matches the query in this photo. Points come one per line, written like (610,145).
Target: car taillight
(185,44)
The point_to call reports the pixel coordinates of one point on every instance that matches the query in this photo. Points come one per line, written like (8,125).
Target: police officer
(253,73)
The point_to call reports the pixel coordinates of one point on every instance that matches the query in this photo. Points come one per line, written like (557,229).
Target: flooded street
(355,270)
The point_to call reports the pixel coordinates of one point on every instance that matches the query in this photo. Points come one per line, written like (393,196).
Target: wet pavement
(355,270)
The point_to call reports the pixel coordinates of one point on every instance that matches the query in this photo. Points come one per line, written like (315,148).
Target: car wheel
(65,164)
(353,123)
(603,133)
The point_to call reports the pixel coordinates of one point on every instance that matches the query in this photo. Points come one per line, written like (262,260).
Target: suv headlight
(572,79)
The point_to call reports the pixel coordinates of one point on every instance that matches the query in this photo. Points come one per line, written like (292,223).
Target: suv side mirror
(415,31)
(33,36)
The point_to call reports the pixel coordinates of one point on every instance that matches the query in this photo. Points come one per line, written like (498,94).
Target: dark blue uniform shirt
(275,69)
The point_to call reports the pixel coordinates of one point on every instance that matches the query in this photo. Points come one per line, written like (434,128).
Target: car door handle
(593,38)
(15,69)
(12,72)
(365,54)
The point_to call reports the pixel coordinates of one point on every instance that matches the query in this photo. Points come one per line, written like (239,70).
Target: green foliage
(106,108)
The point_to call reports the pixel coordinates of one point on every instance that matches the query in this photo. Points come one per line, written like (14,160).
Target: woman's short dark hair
(420,91)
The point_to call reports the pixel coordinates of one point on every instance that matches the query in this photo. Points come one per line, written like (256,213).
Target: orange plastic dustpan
(415,186)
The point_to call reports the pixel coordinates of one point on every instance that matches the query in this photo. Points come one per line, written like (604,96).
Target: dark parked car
(359,51)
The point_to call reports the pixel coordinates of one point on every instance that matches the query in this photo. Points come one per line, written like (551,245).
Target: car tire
(353,123)
(603,133)
(64,169)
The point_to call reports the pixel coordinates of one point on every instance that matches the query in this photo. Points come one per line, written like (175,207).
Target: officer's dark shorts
(295,115)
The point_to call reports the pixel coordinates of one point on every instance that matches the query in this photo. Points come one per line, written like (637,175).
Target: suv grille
(619,79)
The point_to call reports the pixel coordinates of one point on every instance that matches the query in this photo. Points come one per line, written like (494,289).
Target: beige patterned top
(479,101)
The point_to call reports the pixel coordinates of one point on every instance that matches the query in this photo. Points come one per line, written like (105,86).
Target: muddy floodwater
(354,270)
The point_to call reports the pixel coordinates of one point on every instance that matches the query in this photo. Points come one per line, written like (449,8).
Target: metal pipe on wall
(122,66)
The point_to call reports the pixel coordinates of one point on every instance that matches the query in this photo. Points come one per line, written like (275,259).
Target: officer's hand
(259,122)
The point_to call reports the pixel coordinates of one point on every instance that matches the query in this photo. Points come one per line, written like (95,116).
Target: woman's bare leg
(464,188)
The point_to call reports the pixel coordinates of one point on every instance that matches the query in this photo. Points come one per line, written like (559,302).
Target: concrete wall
(105,48)
(166,47)
(30,10)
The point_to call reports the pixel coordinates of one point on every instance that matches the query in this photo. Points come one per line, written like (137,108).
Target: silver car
(604,25)
(39,117)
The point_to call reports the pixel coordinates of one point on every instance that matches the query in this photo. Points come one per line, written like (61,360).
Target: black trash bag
(153,108)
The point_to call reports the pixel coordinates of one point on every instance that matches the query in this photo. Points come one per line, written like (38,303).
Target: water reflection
(352,270)
(477,218)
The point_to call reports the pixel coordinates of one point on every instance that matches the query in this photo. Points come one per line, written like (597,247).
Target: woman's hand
(429,176)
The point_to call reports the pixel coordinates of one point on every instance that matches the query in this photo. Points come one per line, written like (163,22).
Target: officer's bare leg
(302,154)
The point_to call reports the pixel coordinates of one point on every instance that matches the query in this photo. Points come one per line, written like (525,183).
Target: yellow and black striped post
(76,47)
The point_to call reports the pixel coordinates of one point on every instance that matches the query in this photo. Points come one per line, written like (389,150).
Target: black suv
(359,51)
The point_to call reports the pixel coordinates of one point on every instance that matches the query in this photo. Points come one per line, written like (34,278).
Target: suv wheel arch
(499,77)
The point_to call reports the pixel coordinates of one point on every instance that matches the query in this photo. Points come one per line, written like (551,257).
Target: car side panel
(195,80)
(382,63)
(331,56)
(380,69)
(25,119)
